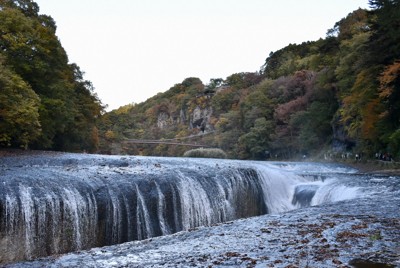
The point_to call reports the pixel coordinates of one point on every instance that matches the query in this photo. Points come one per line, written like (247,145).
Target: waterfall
(161,211)
(28,213)
(143,218)
(71,202)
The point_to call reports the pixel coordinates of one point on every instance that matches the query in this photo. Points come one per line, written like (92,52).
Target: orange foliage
(370,118)
(387,79)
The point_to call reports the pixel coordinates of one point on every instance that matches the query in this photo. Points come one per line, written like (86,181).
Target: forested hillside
(339,94)
(44,101)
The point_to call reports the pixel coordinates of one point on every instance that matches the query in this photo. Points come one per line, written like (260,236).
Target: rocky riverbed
(360,232)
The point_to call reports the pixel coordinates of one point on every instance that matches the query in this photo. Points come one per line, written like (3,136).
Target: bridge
(175,141)
(166,142)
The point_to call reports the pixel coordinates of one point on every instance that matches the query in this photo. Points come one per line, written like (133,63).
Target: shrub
(205,153)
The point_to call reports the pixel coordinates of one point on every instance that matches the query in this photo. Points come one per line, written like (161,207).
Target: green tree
(28,7)
(314,126)
(255,143)
(385,25)
(81,133)
(19,105)
(68,106)
(228,132)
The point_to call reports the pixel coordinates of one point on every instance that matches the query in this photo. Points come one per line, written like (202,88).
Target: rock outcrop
(199,118)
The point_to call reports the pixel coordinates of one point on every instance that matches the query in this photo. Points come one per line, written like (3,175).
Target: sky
(133,49)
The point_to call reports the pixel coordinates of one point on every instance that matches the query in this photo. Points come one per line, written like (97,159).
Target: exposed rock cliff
(199,118)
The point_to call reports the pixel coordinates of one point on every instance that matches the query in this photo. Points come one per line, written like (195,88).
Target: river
(182,212)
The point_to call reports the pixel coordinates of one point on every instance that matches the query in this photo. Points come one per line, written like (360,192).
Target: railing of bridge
(174,141)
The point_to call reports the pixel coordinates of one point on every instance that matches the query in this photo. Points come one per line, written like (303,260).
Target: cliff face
(164,120)
(184,112)
(199,118)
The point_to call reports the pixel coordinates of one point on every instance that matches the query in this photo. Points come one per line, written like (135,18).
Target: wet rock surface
(334,235)
(57,203)
(361,232)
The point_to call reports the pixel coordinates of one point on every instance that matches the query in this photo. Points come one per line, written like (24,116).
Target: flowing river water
(53,203)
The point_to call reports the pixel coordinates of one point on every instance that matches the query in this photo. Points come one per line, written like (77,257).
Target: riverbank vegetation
(339,94)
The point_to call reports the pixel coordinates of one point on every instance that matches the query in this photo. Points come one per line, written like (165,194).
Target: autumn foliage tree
(62,106)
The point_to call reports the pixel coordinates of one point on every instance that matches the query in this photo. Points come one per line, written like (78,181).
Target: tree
(255,143)
(81,133)
(228,132)
(28,7)
(19,105)
(389,108)
(68,107)
(314,125)
(385,26)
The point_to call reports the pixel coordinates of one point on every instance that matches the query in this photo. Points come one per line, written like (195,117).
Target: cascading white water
(165,229)
(330,192)
(27,201)
(143,224)
(282,187)
(78,218)
(57,210)
(63,218)
(195,204)
(278,187)
(72,201)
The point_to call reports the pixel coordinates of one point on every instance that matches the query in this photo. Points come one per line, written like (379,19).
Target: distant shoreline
(21,152)
(375,166)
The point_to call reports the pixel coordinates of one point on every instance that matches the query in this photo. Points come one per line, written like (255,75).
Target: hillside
(338,95)
(335,96)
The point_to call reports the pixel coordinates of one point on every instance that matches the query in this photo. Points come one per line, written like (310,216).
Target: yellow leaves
(124,109)
(150,113)
(222,123)
(359,106)
(183,133)
(5,139)
(363,83)
(109,135)
(180,97)
(201,101)
(364,107)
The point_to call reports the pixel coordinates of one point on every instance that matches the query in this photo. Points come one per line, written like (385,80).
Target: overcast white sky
(132,49)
